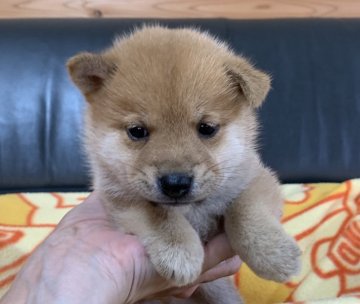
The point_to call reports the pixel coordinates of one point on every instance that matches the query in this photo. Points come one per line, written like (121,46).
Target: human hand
(88,260)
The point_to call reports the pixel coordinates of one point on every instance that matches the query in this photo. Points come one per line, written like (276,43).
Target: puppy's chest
(205,224)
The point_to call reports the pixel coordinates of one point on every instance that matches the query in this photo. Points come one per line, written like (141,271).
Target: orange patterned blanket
(324,219)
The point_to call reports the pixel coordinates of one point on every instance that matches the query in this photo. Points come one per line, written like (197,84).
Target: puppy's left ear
(250,82)
(90,71)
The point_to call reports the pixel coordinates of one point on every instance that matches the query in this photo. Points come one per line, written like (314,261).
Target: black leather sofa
(310,121)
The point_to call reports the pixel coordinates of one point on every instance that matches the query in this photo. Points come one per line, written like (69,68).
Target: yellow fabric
(324,219)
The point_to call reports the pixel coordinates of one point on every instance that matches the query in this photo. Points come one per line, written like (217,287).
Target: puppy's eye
(207,130)
(137,133)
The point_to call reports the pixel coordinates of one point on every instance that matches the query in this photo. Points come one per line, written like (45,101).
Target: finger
(93,198)
(216,251)
(178,292)
(91,208)
(225,268)
(187,293)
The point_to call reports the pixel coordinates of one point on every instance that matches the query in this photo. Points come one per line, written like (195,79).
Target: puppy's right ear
(89,71)
(251,83)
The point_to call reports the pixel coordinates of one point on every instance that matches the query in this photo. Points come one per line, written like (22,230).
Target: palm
(87,233)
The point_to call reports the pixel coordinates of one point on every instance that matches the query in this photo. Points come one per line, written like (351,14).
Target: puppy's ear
(250,82)
(89,71)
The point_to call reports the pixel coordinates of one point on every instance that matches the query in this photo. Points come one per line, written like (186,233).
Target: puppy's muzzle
(175,185)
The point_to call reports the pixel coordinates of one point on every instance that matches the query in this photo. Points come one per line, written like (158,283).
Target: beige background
(242,9)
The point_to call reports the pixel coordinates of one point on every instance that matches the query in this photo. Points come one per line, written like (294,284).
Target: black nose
(175,185)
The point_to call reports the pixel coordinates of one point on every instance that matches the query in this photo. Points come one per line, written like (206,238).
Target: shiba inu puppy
(170,134)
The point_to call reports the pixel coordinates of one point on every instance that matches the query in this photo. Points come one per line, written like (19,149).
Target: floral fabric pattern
(323,218)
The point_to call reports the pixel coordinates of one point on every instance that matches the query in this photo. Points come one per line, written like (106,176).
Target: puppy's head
(170,116)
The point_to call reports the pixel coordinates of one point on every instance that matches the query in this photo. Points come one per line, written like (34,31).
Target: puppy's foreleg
(256,234)
(172,244)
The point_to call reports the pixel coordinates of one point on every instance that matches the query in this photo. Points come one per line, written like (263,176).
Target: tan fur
(170,81)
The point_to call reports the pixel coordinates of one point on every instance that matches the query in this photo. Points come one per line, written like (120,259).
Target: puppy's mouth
(176,203)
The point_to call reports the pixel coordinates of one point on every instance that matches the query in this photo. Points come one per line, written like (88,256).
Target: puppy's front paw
(178,263)
(278,258)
